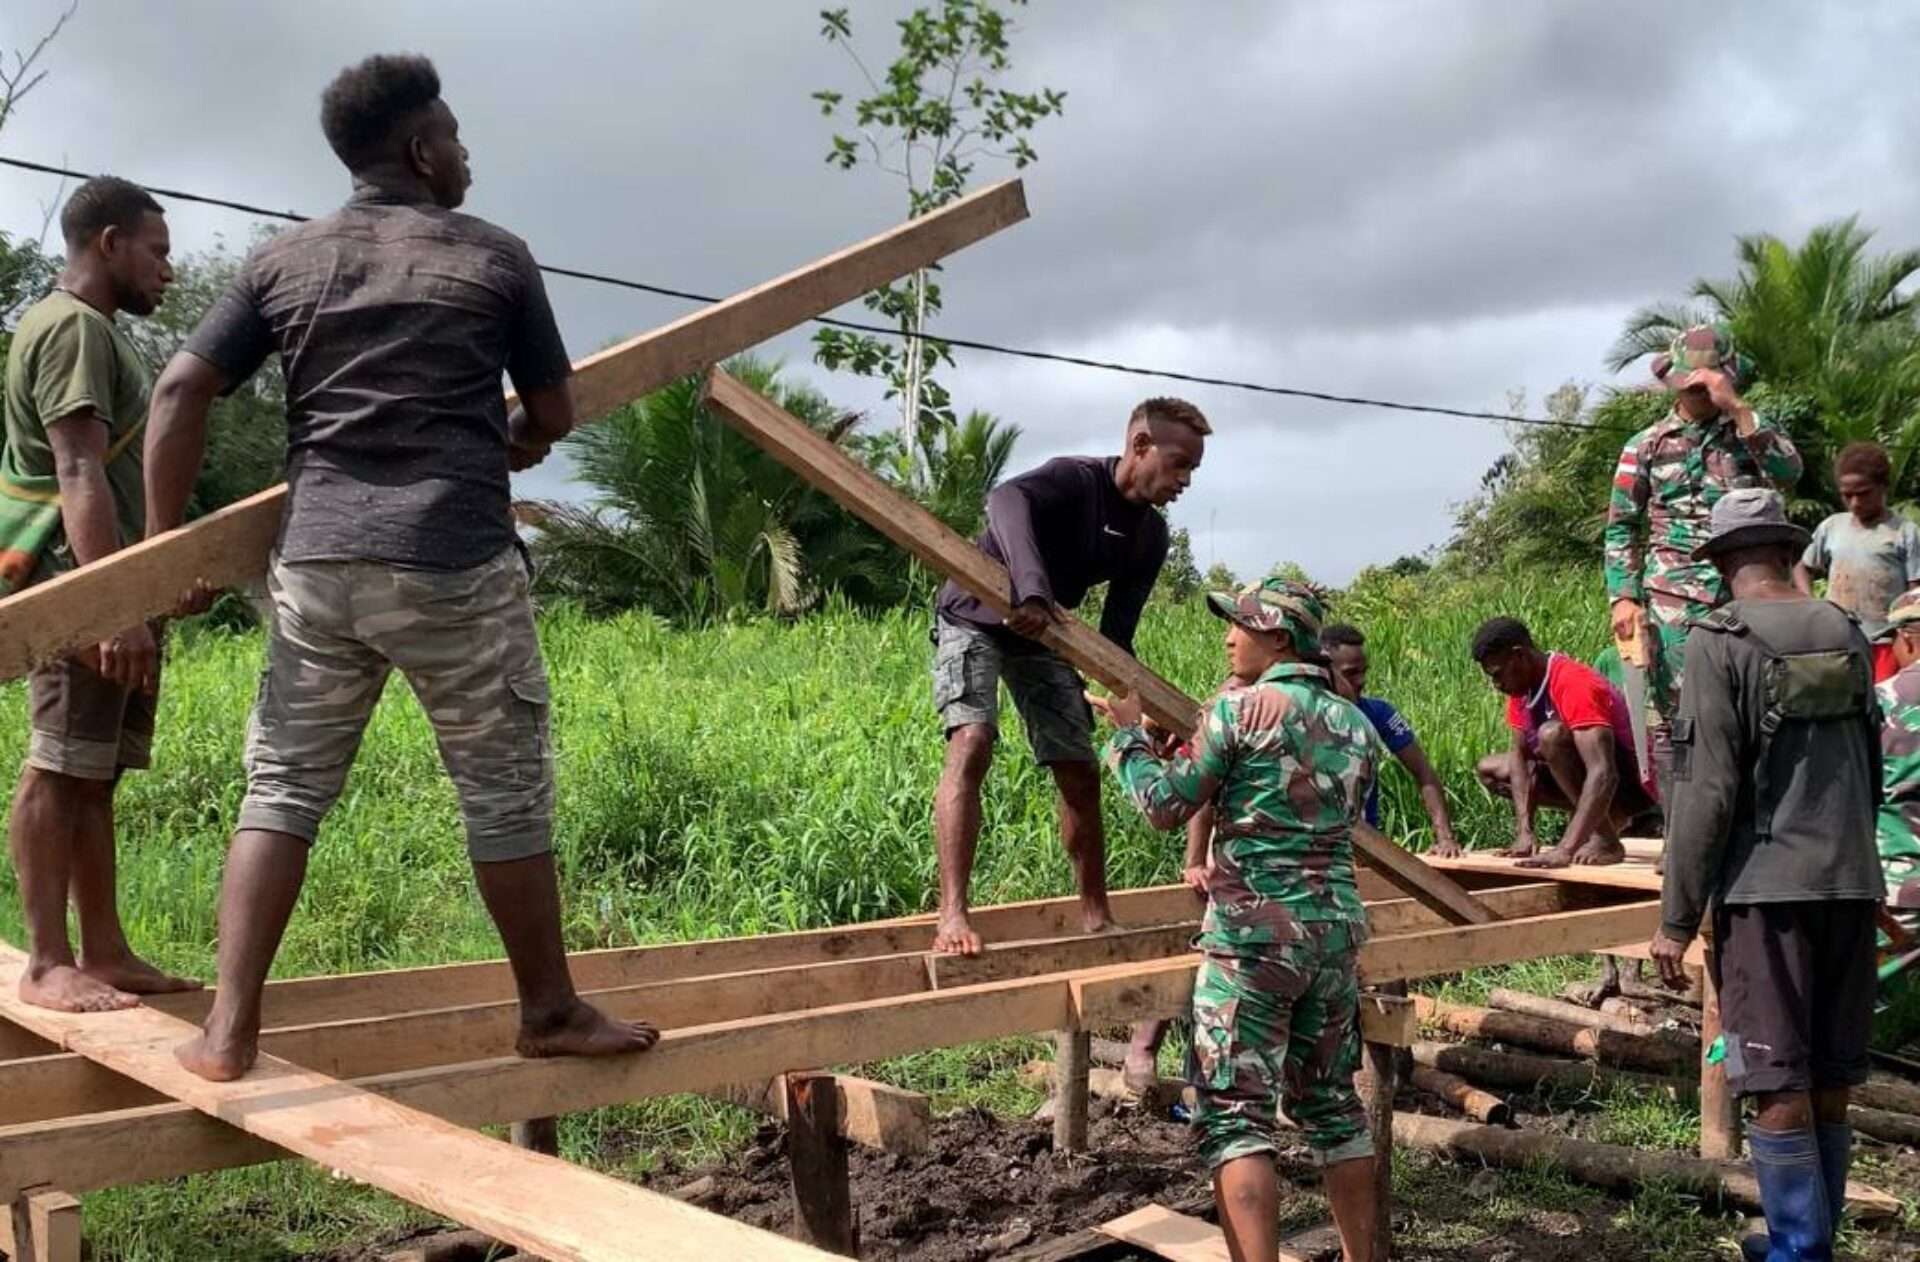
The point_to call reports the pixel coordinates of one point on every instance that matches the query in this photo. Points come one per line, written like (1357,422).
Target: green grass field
(736,779)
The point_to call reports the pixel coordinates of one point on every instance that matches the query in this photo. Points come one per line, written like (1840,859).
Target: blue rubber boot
(1793,1192)
(1836,1155)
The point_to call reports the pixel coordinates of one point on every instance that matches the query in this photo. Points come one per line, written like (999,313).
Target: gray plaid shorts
(968,665)
(465,642)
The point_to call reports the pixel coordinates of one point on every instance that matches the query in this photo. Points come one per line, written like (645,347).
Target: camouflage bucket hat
(1750,517)
(1704,346)
(1275,604)
(1904,610)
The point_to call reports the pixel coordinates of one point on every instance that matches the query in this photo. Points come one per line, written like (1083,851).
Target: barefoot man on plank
(1060,530)
(70,493)
(394,318)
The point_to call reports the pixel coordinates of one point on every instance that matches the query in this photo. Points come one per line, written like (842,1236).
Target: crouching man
(1776,783)
(1287,764)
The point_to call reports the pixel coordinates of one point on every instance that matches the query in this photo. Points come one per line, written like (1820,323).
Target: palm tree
(1830,331)
(963,462)
(693,521)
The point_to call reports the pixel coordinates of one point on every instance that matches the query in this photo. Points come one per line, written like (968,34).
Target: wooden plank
(872,1114)
(541,1204)
(1630,875)
(1072,1061)
(51,1222)
(1178,1237)
(1388,1018)
(856,488)
(817,1159)
(1062,955)
(229,548)
(309,1000)
(1720,1137)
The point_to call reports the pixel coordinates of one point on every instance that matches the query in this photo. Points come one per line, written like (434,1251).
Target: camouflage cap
(1275,604)
(1904,610)
(1704,346)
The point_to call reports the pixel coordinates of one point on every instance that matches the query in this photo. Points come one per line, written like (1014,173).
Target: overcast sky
(1438,202)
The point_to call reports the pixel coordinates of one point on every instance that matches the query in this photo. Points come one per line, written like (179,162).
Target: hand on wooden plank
(1032,616)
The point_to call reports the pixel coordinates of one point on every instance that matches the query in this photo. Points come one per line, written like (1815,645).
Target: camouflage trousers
(465,642)
(1281,1025)
(1670,618)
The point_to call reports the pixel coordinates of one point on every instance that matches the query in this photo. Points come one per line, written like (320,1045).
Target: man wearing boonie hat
(1669,477)
(1899,832)
(1770,829)
(1286,763)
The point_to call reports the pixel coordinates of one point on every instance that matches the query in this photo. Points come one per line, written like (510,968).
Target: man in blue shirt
(1346,648)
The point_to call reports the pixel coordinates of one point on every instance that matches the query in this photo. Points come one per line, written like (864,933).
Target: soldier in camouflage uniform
(1669,477)
(1286,763)
(1899,820)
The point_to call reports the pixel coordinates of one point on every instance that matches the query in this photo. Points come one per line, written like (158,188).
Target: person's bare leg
(1142,1069)
(523,896)
(1084,837)
(40,833)
(956,830)
(265,871)
(104,953)
(1350,1194)
(1569,774)
(1247,1192)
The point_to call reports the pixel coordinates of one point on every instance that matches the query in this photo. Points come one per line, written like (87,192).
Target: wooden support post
(822,1202)
(1377,1081)
(1719,1109)
(1072,1061)
(42,1225)
(538,1134)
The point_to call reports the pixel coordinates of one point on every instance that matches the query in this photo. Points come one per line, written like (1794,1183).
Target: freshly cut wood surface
(1631,875)
(538,1203)
(229,548)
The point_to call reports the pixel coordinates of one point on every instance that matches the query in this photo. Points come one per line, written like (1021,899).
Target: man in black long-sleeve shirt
(1060,530)
(1776,784)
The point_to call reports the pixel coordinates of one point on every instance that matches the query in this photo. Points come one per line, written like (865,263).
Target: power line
(975,344)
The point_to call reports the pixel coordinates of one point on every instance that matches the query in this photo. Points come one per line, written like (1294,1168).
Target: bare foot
(1140,1073)
(1518,850)
(1098,921)
(582,1030)
(217,1059)
(955,935)
(1554,858)
(135,976)
(1600,851)
(64,988)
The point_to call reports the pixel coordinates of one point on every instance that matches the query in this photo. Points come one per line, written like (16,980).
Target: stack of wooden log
(1643,1040)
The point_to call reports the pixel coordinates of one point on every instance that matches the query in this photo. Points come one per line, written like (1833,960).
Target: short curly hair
(1866,460)
(365,104)
(1500,635)
(105,201)
(1339,635)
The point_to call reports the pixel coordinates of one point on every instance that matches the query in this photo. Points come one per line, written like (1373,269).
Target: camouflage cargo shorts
(1282,1024)
(968,665)
(464,640)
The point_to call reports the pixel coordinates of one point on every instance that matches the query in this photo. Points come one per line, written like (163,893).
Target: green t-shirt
(65,358)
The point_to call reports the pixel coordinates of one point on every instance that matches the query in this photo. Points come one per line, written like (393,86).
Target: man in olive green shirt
(76,399)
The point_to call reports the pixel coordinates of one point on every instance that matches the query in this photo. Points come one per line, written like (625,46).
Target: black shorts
(1797,984)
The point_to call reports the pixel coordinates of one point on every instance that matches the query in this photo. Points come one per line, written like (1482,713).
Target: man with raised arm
(70,494)
(1669,478)
(394,318)
(1060,530)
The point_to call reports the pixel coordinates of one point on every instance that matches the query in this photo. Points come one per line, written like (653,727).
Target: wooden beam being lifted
(825,466)
(229,548)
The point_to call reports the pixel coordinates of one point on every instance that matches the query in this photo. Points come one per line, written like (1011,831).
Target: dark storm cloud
(1440,202)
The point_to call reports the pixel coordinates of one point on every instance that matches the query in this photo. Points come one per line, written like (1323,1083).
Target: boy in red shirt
(1572,749)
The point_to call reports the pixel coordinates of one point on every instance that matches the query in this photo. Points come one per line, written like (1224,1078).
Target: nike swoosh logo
(1117,534)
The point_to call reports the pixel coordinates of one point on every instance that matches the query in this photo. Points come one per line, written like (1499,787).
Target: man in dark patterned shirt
(394,319)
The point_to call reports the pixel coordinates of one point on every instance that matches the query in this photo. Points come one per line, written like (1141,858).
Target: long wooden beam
(162,1141)
(63,1084)
(541,1204)
(229,548)
(927,537)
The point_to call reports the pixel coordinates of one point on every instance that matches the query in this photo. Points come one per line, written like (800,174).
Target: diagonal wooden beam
(928,538)
(229,548)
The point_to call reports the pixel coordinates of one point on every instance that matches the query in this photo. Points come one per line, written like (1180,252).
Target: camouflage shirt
(1286,799)
(1899,825)
(1664,489)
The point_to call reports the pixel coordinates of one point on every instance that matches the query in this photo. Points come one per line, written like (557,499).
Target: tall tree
(694,522)
(927,119)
